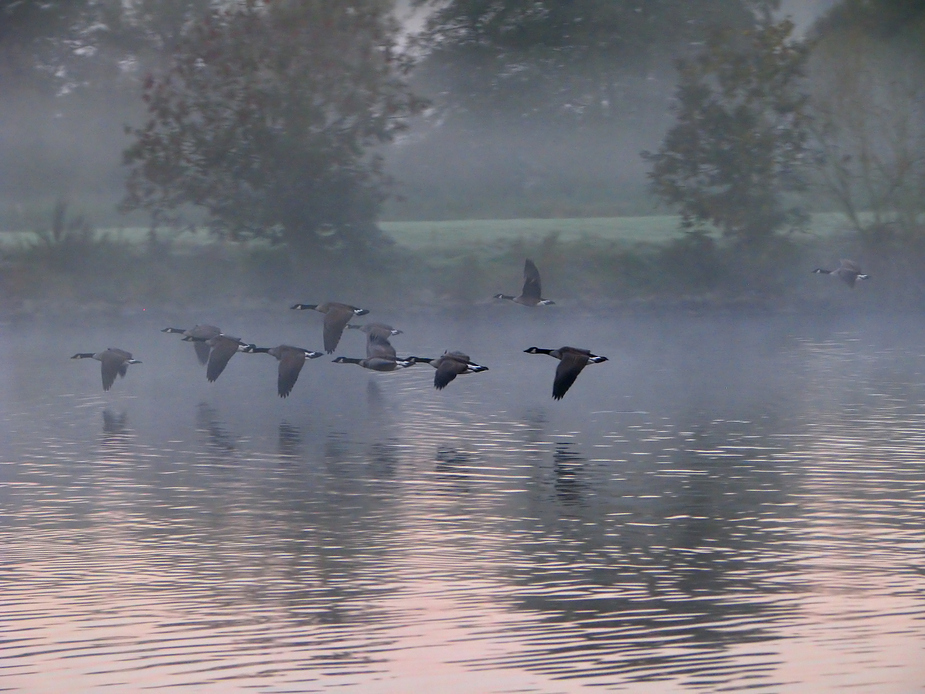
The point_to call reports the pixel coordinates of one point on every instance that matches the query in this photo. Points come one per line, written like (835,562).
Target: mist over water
(728,503)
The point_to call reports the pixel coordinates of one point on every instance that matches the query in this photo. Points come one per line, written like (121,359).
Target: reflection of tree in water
(290,440)
(567,467)
(207,421)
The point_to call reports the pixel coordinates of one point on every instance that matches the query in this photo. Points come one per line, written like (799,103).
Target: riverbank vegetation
(675,153)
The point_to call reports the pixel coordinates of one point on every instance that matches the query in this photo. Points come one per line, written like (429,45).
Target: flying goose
(848,272)
(380,356)
(449,365)
(114,362)
(223,348)
(376,363)
(380,330)
(199,334)
(335,319)
(571,361)
(291,360)
(531,295)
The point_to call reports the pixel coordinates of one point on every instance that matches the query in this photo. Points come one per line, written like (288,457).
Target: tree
(868,103)
(740,139)
(578,61)
(268,119)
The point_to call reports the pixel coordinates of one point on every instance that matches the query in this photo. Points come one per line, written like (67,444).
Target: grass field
(653,229)
(463,233)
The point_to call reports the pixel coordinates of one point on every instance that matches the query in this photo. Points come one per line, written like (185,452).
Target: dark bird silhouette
(376,363)
(532,293)
(571,361)
(291,360)
(113,362)
(378,330)
(336,317)
(449,365)
(199,333)
(848,272)
(223,348)
(380,355)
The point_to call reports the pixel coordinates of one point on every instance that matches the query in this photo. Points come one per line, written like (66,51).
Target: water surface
(727,504)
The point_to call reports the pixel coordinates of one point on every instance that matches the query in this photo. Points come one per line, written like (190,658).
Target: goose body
(376,363)
(449,365)
(336,317)
(848,272)
(571,361)
(531,294)
(113,362)
(198,335)
(291,360)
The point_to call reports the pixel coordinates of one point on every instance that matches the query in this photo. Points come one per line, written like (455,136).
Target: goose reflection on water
(568,465)
(207,421)
(114,423)
(116,437)
(453,466)
(290,440)
(384,458)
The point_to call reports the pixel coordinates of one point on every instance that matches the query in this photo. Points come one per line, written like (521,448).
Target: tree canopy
(576,60)
(741,135)
(268,119)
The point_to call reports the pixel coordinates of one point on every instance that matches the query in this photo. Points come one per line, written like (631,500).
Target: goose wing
(532,287)
(112,364)
(449,368)
(572,361)
(202,351)
(379,348)
(291,361)
(335,320)
(379,330)
(223,349)
(850,266)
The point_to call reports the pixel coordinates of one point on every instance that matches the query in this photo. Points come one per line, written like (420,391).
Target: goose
(848,272)
(223,348)
(199,333)
(335,319)
(376,329)
(380,356)
(114,361)
(450,365)
(291,360)
(376,363)
(531,295)
(571,361)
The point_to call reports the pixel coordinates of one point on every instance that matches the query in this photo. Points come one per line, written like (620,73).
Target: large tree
(268,120)
(740,140)
(581,60)
(868,99)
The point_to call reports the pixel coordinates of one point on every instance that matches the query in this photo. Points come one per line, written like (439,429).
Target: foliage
(884,20)
(740,137)
(268,118)
(577,60)
(868,101)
